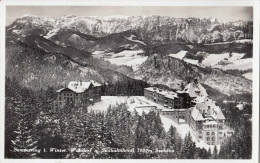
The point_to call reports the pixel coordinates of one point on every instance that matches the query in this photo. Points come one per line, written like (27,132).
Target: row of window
(212,133)
(168,113)
(213,143)
(212,138)
(70,94)
(210,126)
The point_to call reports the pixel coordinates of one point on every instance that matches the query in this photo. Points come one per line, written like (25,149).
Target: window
(200,132)
(208,133)
(213,138)
(213,143)
(208,138)
(200,137)
(213,133)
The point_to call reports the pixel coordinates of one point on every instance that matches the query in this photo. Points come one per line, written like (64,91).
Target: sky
(221,13)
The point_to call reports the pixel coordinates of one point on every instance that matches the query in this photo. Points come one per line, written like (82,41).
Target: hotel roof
(209,108)
(196,115)
(195,90)
(80,87)
(167,94)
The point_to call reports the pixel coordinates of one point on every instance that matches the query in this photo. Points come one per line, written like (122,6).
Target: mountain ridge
(155,28)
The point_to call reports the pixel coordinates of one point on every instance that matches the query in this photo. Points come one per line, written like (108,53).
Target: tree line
(33,123)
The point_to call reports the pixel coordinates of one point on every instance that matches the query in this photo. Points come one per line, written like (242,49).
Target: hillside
(38,67)
(158,69)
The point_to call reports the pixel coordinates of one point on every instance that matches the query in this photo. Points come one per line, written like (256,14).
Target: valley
(122,82)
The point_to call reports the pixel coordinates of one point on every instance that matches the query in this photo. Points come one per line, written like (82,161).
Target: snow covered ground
(223,61)
(126,57)
(142,104)
(180,55)
(215,59)
(236,41)
(248,75)
(241,64)
(133,40)
(191,61)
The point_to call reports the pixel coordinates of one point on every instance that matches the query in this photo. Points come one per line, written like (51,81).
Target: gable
(64,90)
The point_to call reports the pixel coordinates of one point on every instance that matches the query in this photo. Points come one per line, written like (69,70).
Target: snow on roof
(79,87)
(199,99)
(95,84)
(201,107)
(196,115)
(211,109)
(195,90)
(168,94)
(220,115)
(210,123)
(60,90)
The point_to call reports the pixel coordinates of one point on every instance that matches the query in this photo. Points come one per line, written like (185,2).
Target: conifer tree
(188,148)
(24,139)
(141,138)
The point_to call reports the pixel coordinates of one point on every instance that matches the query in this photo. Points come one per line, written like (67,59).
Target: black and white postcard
(130,82)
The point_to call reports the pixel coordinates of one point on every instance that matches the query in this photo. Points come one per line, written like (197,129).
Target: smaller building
(207,122)
(79,93)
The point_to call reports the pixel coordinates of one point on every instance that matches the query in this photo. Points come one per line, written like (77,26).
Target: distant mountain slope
(172,72)
(150,28)
(115,42)
(37,64)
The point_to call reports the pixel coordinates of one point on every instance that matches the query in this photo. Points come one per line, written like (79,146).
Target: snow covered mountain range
(135,49)
(152,28)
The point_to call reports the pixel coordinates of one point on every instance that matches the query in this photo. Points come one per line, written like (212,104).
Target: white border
(255,118)
(2,78)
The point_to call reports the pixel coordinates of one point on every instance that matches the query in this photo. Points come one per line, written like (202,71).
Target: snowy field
(142,104)
(180,55)
(126,57)
(248,75)
(131,38)
(223,61)
(241,64)
(249,41)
